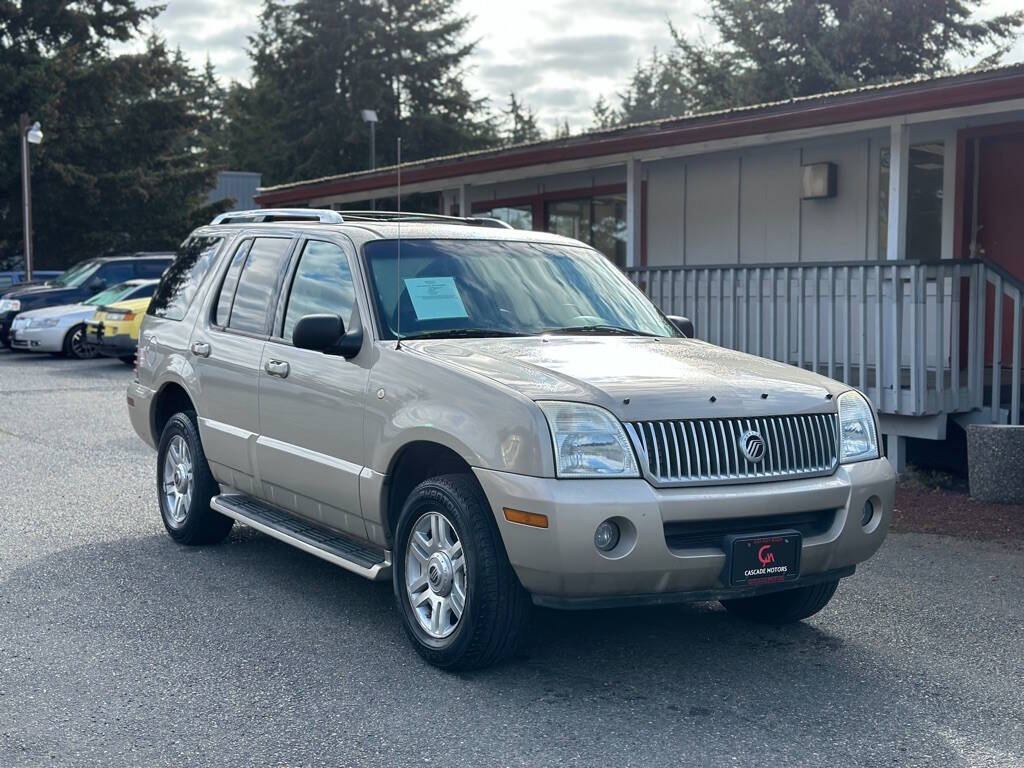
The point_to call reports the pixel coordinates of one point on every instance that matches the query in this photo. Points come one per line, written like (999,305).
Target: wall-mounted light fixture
(819,181)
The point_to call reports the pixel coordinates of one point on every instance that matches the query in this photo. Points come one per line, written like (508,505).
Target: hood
(640,378)
(43,295)
(61,310)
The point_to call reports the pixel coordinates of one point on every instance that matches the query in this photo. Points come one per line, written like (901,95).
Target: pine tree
(317,64)
(767,51)
(121,167)
(521,122)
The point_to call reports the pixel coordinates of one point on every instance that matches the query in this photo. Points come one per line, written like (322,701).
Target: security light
(35,134)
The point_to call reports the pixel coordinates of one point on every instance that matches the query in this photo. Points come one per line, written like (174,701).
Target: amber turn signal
(526,518)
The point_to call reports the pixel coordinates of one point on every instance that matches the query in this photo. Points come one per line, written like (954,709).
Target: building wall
(240,186)
(744,207)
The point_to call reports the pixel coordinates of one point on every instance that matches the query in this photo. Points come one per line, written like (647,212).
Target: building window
(924,202)
(598,221)
(519,216)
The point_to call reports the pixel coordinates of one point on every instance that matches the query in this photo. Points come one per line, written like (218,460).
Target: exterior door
(226,348)
(310,449)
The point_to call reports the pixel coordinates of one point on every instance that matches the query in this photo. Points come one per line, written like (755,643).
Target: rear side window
(227,288)
(322,285)
(116,272)
(151,268)
(256,285)
(180,282)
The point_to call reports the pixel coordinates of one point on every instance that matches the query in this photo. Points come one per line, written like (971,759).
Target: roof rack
(327,216)
(264,215)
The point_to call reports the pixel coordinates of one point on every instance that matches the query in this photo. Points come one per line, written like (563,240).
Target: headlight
(10,305)
(44,322)
(857,436)
(589,441)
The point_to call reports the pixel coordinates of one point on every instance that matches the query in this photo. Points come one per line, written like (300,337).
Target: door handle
(277,368)
(200,348)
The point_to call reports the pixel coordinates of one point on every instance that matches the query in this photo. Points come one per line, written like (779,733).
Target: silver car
(61,330)
(491,418)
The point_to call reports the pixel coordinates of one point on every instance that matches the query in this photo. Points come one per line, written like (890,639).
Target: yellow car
(114,329)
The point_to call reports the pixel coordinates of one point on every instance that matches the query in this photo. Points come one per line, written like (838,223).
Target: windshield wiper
(463,333)
(604,330)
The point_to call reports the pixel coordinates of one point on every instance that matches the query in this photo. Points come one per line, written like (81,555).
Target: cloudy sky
(558,55)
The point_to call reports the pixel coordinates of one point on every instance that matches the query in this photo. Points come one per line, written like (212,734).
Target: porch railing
(918,338)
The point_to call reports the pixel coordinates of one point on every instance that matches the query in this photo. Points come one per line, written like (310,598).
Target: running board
(373,564)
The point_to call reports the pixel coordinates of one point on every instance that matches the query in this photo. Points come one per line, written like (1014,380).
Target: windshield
(110,295)
(77,275)
(499,288)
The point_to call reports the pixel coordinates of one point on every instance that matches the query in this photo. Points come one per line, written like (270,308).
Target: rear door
(310,449)
(226,350)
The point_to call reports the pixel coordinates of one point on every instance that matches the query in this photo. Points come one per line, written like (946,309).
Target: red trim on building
(864,105)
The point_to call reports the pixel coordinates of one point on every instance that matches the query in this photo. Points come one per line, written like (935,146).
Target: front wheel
(460,600)
(185,485)
(784,607)
(75,345)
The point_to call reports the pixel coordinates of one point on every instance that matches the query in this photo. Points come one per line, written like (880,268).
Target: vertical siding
(745,206)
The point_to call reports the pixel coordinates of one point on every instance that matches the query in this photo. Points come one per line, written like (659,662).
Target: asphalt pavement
(120,648)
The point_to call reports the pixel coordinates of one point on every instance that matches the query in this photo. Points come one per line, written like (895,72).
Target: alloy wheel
(435,574)
(178,481)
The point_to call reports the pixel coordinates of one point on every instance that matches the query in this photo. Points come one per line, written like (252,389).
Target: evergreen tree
(120,167)
(317,63)
(521,122)
(563,131)
(768,50)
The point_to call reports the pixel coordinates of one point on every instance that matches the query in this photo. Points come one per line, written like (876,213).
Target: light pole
(370,116)
(30,133)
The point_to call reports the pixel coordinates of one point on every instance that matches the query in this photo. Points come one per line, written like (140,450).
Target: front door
(310,449)
(227,348)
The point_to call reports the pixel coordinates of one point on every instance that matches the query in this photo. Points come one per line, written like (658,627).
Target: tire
(190,521)
(495,607)
(784,607)
(75,346)
(127,359)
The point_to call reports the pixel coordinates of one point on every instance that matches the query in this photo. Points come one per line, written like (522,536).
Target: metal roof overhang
(851,110)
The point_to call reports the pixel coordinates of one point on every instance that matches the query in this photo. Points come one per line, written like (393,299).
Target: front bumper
(38,339)
(561,566)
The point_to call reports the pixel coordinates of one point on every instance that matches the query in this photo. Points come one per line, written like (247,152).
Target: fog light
(867,514)
(606,536)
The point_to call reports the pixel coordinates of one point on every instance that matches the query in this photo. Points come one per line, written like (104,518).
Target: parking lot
(118,647)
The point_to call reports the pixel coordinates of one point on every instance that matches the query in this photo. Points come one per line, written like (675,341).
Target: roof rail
(264,215)
(473,221)
(326,216)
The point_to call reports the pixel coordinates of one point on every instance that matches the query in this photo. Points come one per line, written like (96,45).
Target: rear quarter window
(181,281)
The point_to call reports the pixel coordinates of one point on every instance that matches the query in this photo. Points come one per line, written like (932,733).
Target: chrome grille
(705,451)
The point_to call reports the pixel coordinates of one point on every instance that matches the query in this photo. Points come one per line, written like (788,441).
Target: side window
(150,269)
(322,284)
(181,281)
(256,284)
(227,288)
(115,272)
(143,291)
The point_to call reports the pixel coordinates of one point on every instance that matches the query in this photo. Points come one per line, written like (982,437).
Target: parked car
(114,329)
(77,284)
(10,278)
(489,417)
(62,329)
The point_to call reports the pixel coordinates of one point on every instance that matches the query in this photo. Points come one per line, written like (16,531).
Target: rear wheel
(76,346)
(460,600)
(784,607)
(185,485)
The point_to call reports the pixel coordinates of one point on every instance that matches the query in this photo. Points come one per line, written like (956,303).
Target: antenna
(398,264)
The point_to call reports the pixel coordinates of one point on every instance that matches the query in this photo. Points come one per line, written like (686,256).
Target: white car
(61,329)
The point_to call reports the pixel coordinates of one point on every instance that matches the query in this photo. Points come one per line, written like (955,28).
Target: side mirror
(684,324)
(326,333)
(97,283)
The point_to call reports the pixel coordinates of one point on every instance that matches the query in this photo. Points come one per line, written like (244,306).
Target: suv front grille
(706,451)
(700,534)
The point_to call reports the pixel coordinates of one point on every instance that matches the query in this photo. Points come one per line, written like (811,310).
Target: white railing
(917,338)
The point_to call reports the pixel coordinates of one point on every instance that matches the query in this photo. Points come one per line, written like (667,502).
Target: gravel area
(939,503)
(118,647)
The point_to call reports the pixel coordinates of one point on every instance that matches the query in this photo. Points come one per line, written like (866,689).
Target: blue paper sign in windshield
(435,298)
